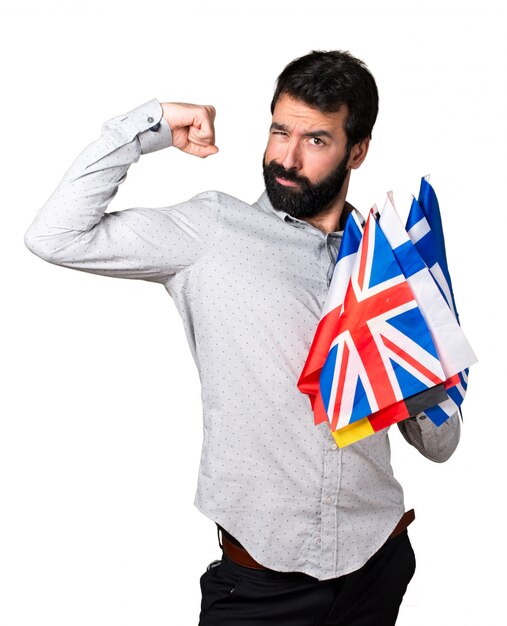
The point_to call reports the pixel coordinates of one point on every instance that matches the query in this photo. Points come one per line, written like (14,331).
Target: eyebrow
(313,133)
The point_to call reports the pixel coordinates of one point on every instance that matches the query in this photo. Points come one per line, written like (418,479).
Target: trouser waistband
(237,553)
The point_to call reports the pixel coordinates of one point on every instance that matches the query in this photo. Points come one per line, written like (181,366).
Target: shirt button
(329,499)
(150,120)
(317,540)
(333,446)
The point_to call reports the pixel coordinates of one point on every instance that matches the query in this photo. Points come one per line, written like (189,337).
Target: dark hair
(328,80)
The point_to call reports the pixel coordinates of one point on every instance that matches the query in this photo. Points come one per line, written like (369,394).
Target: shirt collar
(265,203)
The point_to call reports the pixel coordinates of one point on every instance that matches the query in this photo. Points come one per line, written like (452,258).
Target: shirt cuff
(420,417)
(137,123)
(156,138)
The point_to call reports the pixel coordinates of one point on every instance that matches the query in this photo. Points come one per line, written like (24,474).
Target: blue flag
(424,226)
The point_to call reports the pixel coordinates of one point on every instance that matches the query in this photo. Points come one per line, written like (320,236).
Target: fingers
(192,127)
(200,151)
(207,129)
(202,130)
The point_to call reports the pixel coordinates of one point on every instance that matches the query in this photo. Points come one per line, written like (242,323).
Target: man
(311,534)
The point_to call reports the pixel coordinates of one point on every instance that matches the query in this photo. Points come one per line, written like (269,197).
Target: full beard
(307,200)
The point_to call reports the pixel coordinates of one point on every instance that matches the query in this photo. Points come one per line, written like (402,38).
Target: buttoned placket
(325,536)
(328,536)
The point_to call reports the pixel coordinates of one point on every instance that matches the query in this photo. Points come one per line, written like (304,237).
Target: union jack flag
(382,351)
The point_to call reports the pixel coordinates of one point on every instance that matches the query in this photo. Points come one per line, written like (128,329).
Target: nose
(291,159)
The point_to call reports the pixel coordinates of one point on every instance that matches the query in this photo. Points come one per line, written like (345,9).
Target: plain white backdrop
(100,429)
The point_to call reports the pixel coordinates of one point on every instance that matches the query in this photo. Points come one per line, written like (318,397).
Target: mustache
(278,170)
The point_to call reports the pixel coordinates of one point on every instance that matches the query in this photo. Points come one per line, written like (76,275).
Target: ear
(358,153)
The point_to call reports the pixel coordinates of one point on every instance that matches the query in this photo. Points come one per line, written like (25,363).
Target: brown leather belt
(239,555)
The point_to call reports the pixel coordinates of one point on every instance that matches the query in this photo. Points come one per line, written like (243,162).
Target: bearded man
(311,534)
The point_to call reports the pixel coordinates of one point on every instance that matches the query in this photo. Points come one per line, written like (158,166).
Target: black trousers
(233,595)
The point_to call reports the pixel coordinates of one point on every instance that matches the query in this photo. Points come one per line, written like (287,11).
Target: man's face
(306,159)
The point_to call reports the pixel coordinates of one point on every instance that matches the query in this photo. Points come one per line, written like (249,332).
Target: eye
(316,141)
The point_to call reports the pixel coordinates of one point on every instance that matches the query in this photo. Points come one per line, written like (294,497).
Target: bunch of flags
(388,345)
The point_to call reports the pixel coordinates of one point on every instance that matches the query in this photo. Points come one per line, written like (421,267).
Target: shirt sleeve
(73,229)
(436,443)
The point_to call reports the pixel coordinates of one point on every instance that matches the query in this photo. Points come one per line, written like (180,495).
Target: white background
(100,428)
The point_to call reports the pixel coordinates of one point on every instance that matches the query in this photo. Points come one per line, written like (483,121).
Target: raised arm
(73,229)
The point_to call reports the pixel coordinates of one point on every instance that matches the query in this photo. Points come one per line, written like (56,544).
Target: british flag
(382,351)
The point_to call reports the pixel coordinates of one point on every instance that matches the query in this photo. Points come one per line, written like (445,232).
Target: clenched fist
(192,127)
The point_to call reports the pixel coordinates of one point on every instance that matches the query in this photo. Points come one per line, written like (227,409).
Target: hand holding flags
(388,344)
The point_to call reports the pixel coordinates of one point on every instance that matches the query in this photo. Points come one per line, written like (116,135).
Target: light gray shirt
(249,283)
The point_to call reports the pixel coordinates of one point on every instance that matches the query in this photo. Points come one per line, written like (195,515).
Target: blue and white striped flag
(424,226)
